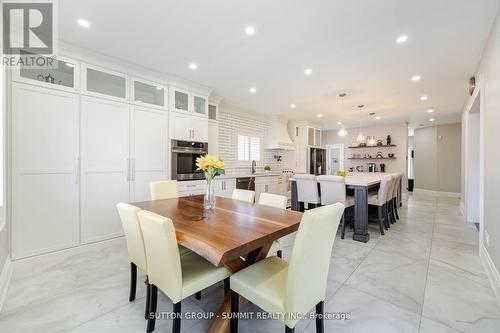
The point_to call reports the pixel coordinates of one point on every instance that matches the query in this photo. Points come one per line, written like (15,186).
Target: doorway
(335,158)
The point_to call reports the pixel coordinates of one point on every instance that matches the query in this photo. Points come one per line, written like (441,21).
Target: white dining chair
(390,201)
(164,189)
(178,277)
(244,195)
(307,190)
(399,179)
(379,199)
(333,190)
(292,289)
(277,201)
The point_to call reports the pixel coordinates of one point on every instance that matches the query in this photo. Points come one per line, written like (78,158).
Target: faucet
(254,165)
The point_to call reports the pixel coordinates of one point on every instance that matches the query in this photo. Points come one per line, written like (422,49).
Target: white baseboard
(437,193)
(5,276)
(491,271)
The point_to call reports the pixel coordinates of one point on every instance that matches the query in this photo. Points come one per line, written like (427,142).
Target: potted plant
(211,167)
(341,173)
(267,168)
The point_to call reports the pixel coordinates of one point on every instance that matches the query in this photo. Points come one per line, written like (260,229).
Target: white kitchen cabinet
(148,150)
(105,166)
(200,105)
(184,126)
(45,189)
(313,137)
(149,93)
(224,187)
(268,184)
(104,83)
(213,138)
(183,100)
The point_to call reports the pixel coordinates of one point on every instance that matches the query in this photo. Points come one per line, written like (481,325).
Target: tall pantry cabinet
(78,152)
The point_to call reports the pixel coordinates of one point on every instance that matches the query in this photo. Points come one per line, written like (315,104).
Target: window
(248,148)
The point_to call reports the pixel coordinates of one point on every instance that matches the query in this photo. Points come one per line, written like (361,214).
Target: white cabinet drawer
(192,187)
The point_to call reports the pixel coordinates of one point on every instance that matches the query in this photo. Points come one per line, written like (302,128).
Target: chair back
(162,254)
(307,188)
(310,260)
(385,189)
(133,234)
(332,189)
(397,181)
(164,189)
(273,200)
(244,195)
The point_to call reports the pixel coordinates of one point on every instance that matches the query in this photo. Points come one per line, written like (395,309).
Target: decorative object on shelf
(389,140)
(48,78)
(362,144)
(372,167)
(211,167)
(370,141)
(342,131)
(391,155)
(341,173)
(380,142)
(382,167)
(267,168)
(359,168)
(379,154)
(277,158)
(351,169)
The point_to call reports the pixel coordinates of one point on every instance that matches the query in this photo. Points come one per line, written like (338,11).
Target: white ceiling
(350,45)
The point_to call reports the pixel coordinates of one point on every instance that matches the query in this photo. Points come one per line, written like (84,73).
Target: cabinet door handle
(77,170)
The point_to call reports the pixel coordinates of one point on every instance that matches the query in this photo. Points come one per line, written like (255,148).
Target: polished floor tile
(423,275)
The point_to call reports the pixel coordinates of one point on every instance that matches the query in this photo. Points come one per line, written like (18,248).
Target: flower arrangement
(341,173)
(211,166)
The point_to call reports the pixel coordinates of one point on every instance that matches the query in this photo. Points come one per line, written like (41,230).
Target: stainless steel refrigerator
(317,161)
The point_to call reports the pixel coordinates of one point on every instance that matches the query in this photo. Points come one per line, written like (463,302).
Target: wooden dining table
(226,234)
(361,183)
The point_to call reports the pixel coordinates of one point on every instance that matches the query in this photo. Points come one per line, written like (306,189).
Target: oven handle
(189,150)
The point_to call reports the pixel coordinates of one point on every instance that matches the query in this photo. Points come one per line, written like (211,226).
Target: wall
(437,158)
(399,135)
(234,121)
(488,77)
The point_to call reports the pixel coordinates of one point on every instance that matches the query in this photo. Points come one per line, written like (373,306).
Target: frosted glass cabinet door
(105,83)
(200,105)
(181,100)
(212,112)
(317,137)
(310,136)
(148,93)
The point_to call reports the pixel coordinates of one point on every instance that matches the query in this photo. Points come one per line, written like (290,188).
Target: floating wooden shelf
(371,158)
(353,147)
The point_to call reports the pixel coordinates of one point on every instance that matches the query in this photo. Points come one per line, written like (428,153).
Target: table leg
(219,324)
(361,214)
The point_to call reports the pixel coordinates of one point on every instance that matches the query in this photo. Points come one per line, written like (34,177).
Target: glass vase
(209,201)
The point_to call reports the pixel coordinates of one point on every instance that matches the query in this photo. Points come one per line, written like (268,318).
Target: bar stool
(332,191)
(307,191)
(379,199)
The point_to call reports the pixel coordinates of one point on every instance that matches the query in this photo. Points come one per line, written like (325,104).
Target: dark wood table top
(231,230)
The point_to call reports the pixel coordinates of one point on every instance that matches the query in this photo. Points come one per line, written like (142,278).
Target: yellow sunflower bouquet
(211,166)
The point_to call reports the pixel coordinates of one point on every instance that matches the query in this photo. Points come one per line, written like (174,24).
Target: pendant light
(342,131)
(361,137)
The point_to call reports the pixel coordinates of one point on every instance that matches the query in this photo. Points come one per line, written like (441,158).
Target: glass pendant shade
(342,132)
(361,137)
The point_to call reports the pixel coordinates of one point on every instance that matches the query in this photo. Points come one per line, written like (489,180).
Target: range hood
(278,136)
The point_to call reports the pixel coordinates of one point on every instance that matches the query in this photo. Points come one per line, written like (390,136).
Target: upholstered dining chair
(307,190)
(164,189)
(276,201)
(379,199)
(333,190)
(295,287)
(244,195)
(177,276)
(395,190)
(389,207)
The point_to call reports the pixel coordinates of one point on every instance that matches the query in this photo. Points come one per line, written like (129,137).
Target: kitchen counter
(249,174)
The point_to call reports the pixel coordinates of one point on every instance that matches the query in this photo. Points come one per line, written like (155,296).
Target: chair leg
(301,207)
(342,232)
(386,212)
(396,209)
(235,300)
(133,281)
(279,253)
(320,324)
(288,329)
(148,296)
(393,210)
(380,221)
(384,216)
(226,286)
(176,323)
(197,295)
(153,299)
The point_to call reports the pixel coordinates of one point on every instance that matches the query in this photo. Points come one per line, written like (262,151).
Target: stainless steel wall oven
(184,155)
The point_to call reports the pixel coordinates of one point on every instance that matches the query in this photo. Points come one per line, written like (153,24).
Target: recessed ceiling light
(339,123)
(423,98)
(293,106)
(84,23)
(308,71)
(70,64)
(402,39)
(252,90)
(378,117)
(193,66)
(250,31)
(416,78)
(319,115)
(432,119)
(430,111)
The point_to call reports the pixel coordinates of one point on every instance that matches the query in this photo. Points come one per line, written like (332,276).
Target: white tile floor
(424,275)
